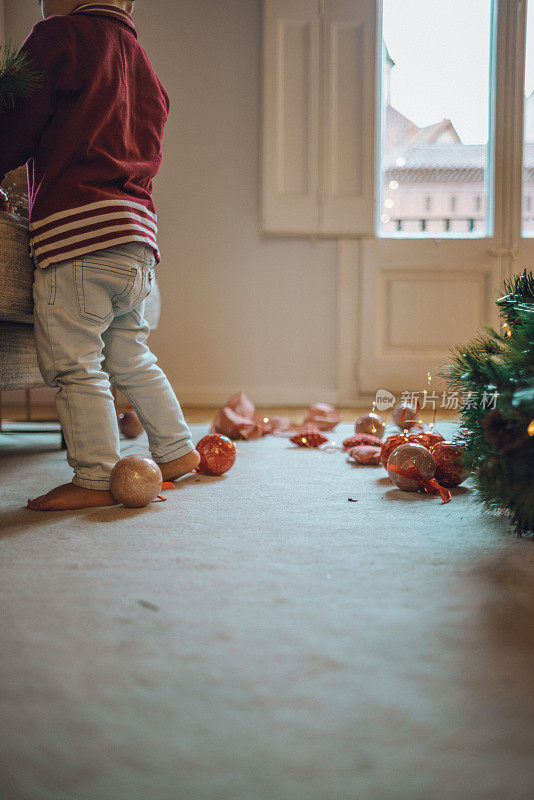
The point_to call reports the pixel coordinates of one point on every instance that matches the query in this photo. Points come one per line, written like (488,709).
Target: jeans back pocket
(100,286)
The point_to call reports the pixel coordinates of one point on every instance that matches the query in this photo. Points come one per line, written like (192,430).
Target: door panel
(291,116)
(348,143)
(418,301)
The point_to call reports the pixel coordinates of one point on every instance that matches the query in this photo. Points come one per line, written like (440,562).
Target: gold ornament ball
(411,456)
(135,481)
(370,423)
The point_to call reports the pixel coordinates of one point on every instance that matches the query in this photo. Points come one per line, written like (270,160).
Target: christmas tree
(499,436)
(18,78)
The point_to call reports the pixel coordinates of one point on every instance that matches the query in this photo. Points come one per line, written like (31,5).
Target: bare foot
(180,466)
(69,497)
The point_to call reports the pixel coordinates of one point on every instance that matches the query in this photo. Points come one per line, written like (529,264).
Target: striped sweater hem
(86,229)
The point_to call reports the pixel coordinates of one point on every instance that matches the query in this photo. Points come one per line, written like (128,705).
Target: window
(435,112)
(322,173)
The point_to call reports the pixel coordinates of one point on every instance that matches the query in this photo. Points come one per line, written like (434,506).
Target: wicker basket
(16,269)
(18,358)
(16,275)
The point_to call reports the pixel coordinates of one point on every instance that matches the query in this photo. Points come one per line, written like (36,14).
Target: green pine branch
(499,448)
(519,293)
(18,78)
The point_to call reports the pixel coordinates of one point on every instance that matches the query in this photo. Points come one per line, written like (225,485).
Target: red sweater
(91,135)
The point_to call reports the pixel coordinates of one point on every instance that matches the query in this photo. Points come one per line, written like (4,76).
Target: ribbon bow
(429,485)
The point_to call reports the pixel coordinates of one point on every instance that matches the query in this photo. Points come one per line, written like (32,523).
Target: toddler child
(91,136)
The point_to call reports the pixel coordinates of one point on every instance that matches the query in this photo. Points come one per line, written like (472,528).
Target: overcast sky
(441,51)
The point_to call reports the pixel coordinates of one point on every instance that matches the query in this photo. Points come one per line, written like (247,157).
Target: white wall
(241,311)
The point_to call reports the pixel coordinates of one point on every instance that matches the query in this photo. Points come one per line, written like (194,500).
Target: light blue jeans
(90,330)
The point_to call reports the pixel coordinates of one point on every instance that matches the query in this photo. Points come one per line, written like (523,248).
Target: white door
(429,278)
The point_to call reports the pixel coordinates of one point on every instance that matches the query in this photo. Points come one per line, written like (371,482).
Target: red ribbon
(429,485)
(165,485)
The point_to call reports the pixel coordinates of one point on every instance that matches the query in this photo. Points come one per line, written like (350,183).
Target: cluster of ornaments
(416,458)
(421,460)
(425,452)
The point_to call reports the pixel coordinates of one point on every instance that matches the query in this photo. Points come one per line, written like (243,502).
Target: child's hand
(5,205)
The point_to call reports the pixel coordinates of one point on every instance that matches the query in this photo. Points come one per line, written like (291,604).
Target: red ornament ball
(310,438)
(450,471)
(413,458)
(427,439)
(370,423)
(129,424)
(217,454)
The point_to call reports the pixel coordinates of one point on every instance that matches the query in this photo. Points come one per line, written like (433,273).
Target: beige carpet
(260,637)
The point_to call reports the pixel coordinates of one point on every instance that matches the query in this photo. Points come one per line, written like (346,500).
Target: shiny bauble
(391,444)
(135,481)
(217,454)
(404,413)
(413,457)
(450,471)
(129,424)
(370,423)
